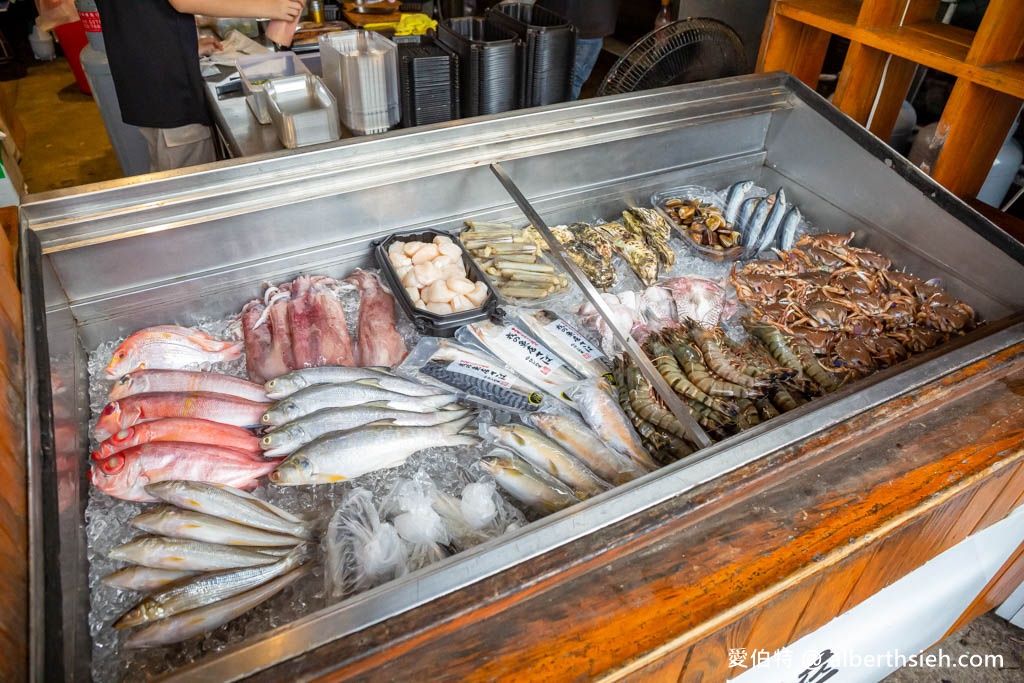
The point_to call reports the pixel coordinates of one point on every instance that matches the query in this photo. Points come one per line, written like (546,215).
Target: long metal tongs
(667,394)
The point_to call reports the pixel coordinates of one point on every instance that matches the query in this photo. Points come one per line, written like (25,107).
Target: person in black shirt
(594,19)
(153,49)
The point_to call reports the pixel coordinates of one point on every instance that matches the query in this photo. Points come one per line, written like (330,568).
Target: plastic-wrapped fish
(601,411)
(346,455)
(489,382)
(527,356)
(527,484)
(546,455)
(575,437)
(195,622)
(567,341)
(290,436)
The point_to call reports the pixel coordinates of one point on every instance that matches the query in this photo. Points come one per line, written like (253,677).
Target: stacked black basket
(488,64)
(549,50)
(428,76)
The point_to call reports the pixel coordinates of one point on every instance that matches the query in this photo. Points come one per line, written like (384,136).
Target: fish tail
(460,426)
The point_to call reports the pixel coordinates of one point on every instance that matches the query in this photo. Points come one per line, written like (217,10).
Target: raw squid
(191,430)
(169,347)
(124,475)
(317,324)
(379,342)
(268,345)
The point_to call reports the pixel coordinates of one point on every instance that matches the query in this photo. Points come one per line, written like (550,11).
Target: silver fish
(754,227)
(288,437)
(574,436)
(192,593)
(401,385)
(734,199)
(789,226)
(773,221)
(168,520)
(194,622)
(547,456)
(345,395)
(568,342)
(339,456)
(230,504)
(176,553)
(593,398)
(145,579)
(289,383)
(527,484)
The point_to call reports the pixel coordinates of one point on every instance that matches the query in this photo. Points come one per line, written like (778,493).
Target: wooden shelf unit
(888,39)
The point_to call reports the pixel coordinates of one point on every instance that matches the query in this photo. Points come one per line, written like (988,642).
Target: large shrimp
(646,406)
(719,361)
(693,365)
(668,366)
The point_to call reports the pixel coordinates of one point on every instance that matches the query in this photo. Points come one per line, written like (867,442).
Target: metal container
(95,267)
(303,111)
(257,70)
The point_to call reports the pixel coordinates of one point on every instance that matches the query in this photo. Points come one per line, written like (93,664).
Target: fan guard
(684,51)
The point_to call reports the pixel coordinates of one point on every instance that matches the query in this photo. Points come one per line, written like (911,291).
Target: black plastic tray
(428,323)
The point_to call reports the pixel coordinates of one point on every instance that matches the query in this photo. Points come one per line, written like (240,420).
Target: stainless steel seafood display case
(102,261)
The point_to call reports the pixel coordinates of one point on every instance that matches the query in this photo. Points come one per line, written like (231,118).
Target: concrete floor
(67,146)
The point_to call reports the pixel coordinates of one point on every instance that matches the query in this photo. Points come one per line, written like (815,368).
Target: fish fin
(283,514)
(382,369)
(459,426)
(369,382)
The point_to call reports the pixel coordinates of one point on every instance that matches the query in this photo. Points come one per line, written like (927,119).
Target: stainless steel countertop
(242,134)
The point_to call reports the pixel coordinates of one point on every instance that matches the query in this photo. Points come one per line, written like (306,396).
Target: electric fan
(684,51)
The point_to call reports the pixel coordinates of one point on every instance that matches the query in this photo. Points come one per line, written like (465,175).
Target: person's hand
(286,10)
(207,46)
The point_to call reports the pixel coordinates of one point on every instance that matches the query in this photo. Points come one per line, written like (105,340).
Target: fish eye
(265,441)
(113,464)
(123,435)
(120,355)
(265,418)
(126,379)
(110,408)
(271,384)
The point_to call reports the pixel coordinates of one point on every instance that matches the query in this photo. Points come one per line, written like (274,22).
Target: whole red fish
(379,341)
(125,475)
(148,381)
(187,429)
(170,347)
(126,412)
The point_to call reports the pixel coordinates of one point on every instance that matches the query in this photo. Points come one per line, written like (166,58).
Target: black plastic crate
(428,83)
(489,64)
(546,63)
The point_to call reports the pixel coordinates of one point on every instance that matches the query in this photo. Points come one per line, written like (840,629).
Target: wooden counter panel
(13,483)
(787,542)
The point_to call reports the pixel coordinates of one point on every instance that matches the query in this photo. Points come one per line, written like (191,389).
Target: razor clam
(575,437)
(230,504)
(290,436)
(345,395)
(175,553)
(735,198)
(593,398)
(773,221)
(289,383)
(547,456)
(138,578)
(175,522)
(193,593)
(527,484)
(340,456)
(194,622)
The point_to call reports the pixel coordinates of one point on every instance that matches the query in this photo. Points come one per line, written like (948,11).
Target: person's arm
(287,10)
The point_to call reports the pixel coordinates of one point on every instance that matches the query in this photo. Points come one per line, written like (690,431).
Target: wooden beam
(794,47)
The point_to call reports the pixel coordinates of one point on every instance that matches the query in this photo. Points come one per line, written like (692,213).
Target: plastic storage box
(303,111)
(488,64)
(361,69)
(257,70)
(549,50)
